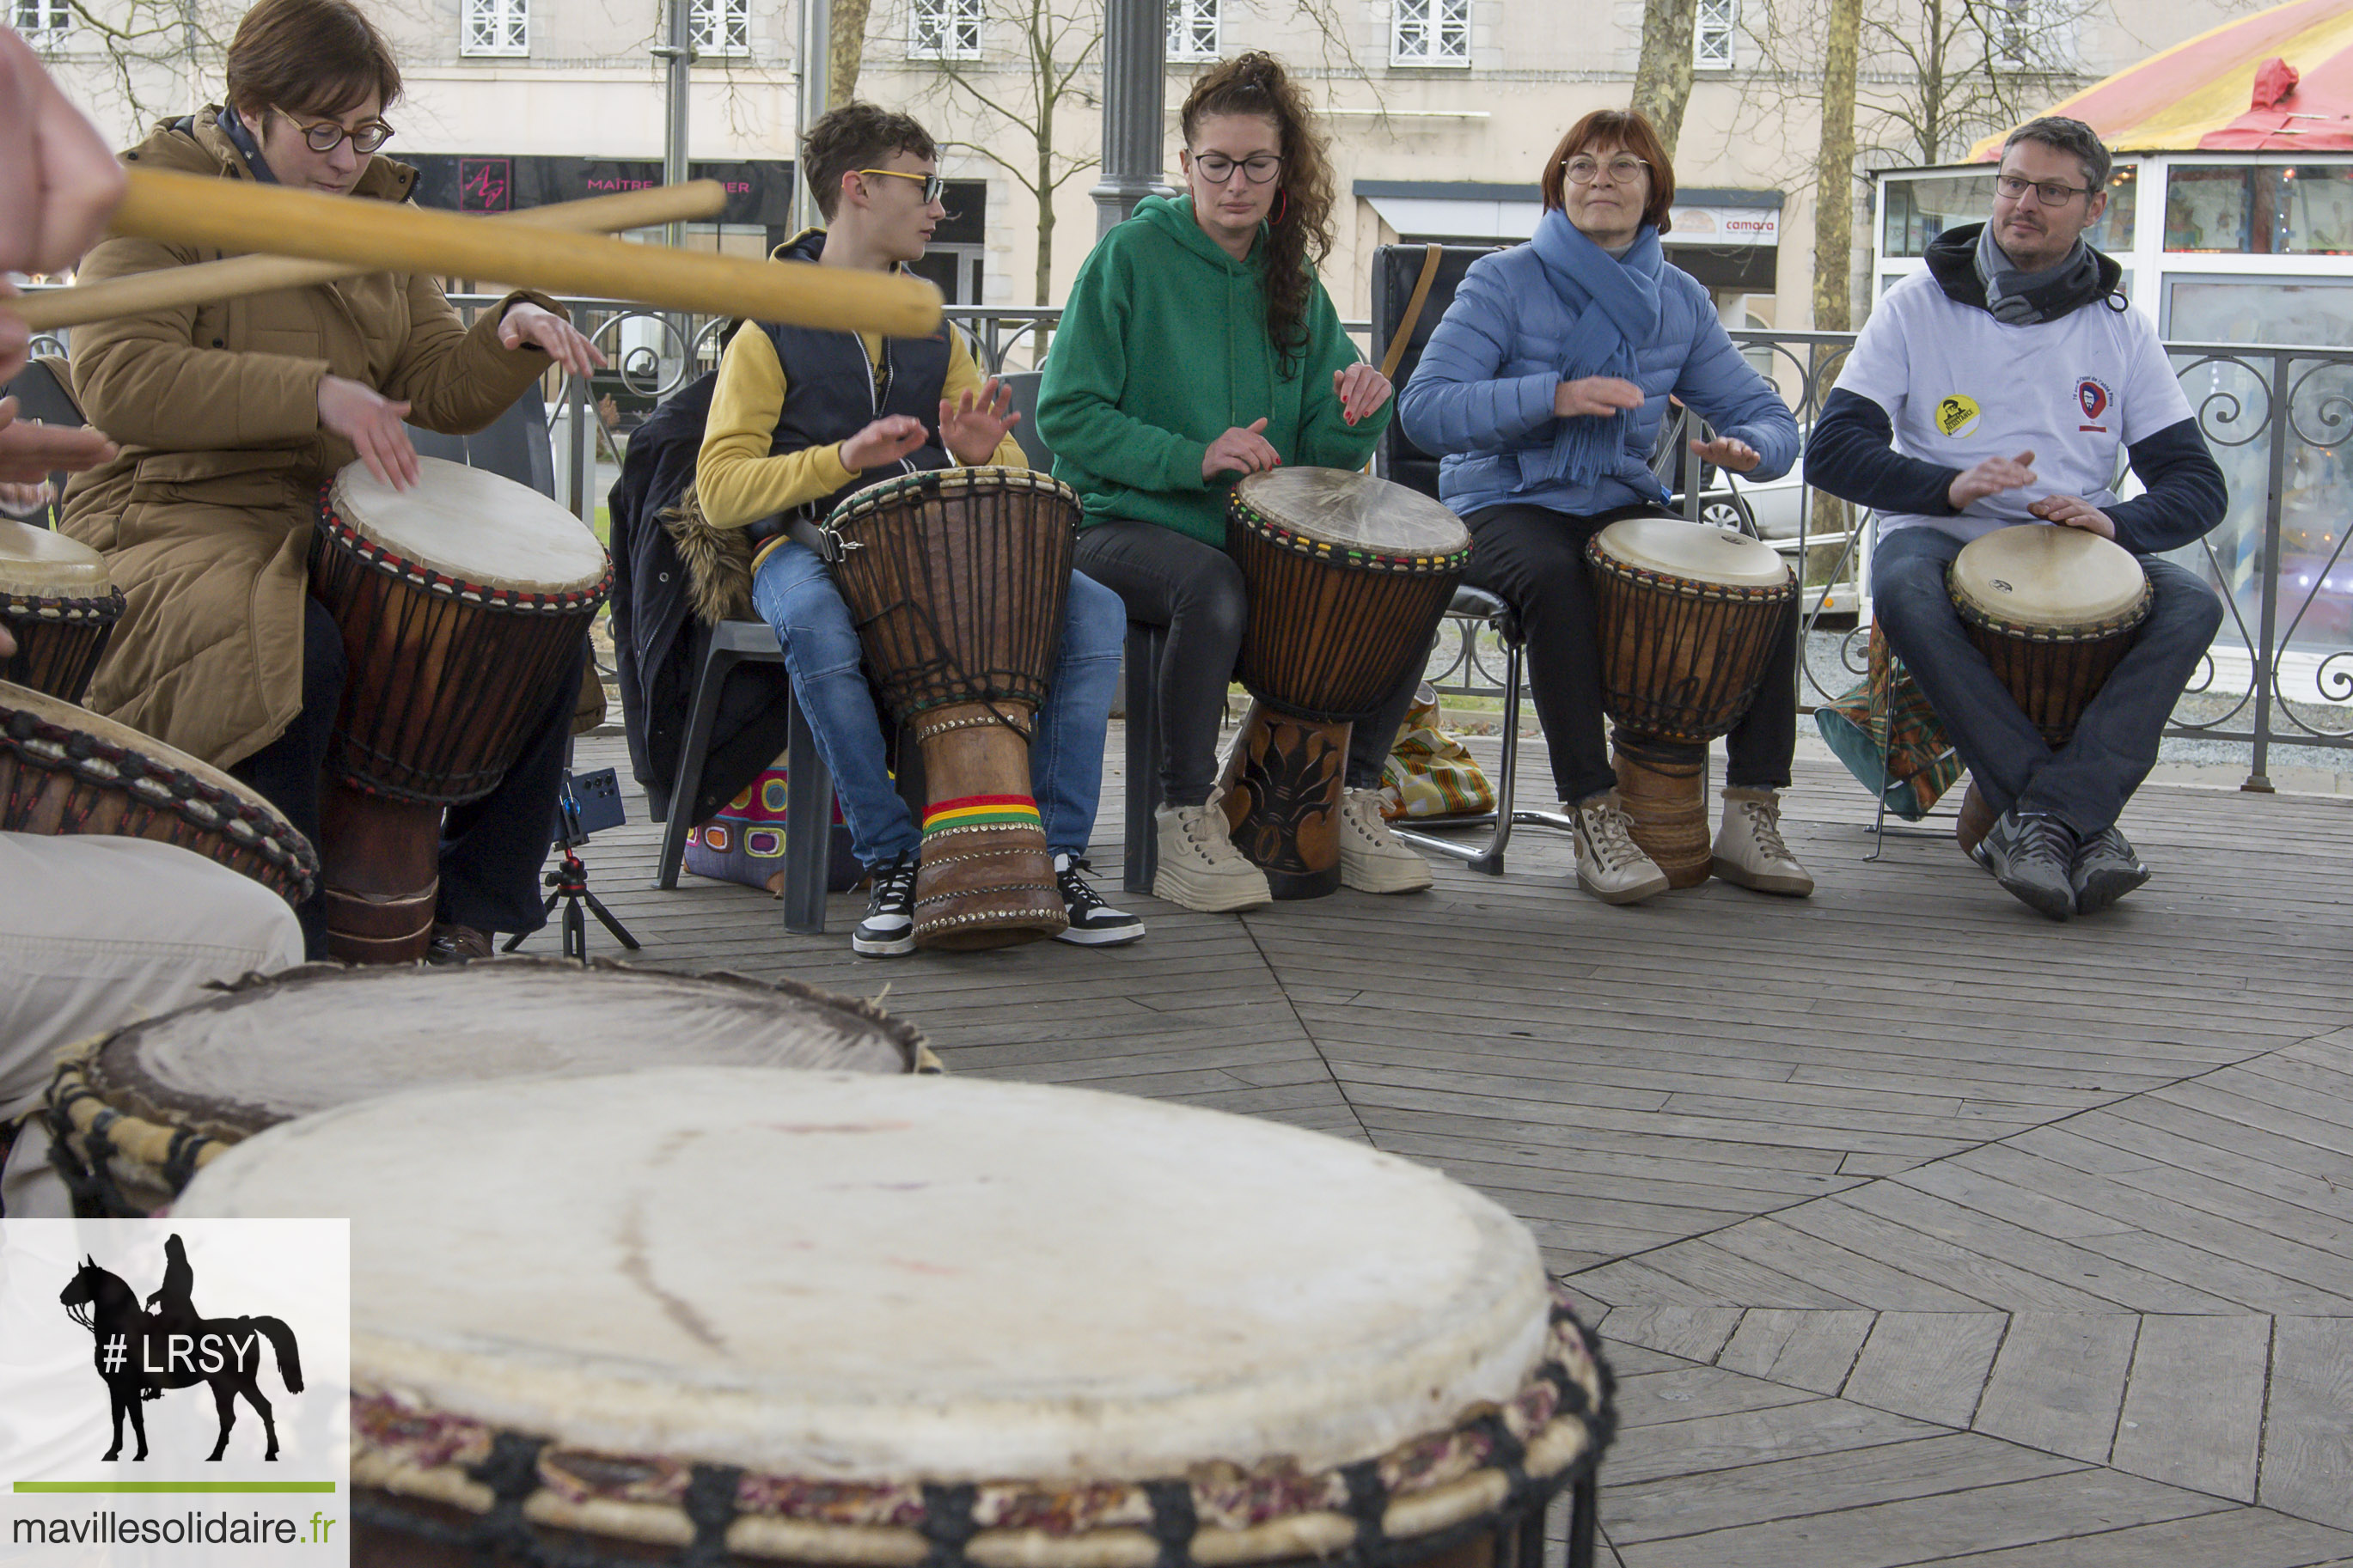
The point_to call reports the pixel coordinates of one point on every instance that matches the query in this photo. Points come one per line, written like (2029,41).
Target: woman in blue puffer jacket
(1543,387)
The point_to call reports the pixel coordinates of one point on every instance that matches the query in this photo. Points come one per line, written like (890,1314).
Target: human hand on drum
(886,441)
(542,329)
(976,423)
(1598,395)
(1362,390)
(1990,477)
(31,451)
(371,421)
(2074,511)
(1241,451)
(1727,452)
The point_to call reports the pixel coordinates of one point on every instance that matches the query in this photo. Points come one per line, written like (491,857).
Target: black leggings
(1533,558)
(1171,579)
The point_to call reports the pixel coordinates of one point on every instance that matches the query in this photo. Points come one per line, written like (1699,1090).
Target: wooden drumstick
(194,208)
(170,288)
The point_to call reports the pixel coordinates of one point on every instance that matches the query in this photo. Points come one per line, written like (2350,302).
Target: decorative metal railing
(2277,416)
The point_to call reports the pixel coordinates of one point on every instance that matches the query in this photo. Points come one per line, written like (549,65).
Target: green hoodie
(1162,349)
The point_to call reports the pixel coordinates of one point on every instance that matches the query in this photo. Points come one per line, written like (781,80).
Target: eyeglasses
(934,186)
(2050,192)
(1257,168)
(325,135)
(1623,171)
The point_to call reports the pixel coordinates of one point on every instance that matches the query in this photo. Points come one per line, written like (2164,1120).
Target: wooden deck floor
(1921,1229)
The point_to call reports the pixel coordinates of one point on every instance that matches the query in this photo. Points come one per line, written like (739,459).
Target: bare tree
(153,58)
(1050,69)
(1662,78)
(1834,169)
(847,24)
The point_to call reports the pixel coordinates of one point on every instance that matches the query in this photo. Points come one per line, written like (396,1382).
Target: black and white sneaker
(1093,923)
(889,929)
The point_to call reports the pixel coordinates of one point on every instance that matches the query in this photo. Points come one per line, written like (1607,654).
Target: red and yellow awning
(2201,96)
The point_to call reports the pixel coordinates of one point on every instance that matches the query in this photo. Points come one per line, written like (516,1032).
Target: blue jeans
(2085,783)
(795,594)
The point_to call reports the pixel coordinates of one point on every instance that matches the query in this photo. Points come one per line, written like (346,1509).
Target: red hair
(1623,127)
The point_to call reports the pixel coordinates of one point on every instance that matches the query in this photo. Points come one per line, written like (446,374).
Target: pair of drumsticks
(559,249)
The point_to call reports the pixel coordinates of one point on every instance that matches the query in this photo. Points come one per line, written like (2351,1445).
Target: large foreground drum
(2054,610)
(59,601)
(64,769)
(1347,577)
(957,580)
(1686,617)
(463,604)
(997,1324)
(135,1115)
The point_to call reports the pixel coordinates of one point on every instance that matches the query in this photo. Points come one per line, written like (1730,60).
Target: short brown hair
(1614,127)
(309,57)
(857,136)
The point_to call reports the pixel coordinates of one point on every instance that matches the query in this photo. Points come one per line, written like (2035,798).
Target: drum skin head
(871,1279)
(325,1036)
(1355,510)
(472,525)
(1692,553)
(2044,575)
(38,564)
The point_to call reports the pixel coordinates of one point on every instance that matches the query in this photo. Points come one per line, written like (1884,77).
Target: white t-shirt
(1960,387)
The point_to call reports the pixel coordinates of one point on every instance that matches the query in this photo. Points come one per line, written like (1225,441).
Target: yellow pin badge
(1957,414)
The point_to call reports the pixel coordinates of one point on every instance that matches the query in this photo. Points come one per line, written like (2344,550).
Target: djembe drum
(135,1115)
(61,604)
(1348,576)
(463,602)
(957,579)
(64,769)
(2054,610)
(1686,617)
(983,1325)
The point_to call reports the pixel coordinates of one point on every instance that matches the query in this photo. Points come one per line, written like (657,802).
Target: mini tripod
(570,881)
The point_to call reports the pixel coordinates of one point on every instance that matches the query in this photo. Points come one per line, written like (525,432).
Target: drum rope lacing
(514,1468)
(39,744)
(34,607)
(566,601)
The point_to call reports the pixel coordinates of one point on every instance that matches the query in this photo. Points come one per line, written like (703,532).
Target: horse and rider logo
(143,1354)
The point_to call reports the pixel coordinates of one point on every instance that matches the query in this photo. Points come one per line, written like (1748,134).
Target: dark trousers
(1171,579)
(1533,558)
(2086,782)
(491,848)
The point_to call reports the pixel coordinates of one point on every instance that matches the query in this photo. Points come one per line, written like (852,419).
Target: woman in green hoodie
(1198,346)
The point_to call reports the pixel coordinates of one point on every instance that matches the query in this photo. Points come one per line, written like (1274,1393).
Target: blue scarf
(1617,304)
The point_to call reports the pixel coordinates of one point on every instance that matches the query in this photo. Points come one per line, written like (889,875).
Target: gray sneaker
(1748,851)
(2104,870)
(2030,855)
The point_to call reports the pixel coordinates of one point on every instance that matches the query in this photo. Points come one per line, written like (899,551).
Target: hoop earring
(1282,206)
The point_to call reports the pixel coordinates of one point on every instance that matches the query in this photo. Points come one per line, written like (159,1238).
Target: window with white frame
(1193,29)
(1430,32)
(497,27)
(2032,36)
(944,31)
(45,24)
(1716,25)
(721,26)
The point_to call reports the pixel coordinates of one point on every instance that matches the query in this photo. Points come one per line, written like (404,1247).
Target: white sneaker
(1372,859)
(1748,847)
(1609,863)
(1199,867)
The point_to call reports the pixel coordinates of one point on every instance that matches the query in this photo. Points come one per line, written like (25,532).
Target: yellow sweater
(736,479)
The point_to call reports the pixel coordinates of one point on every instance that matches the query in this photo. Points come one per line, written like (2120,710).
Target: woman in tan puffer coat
(231,415)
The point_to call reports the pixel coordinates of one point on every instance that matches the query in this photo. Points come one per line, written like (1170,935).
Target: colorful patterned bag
(745,841)
(1428,773)
(1888,736)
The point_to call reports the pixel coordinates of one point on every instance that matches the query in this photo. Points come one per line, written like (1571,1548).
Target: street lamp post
(817,91)
(1135,53)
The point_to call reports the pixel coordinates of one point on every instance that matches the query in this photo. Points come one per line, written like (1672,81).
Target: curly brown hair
(1301,234)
